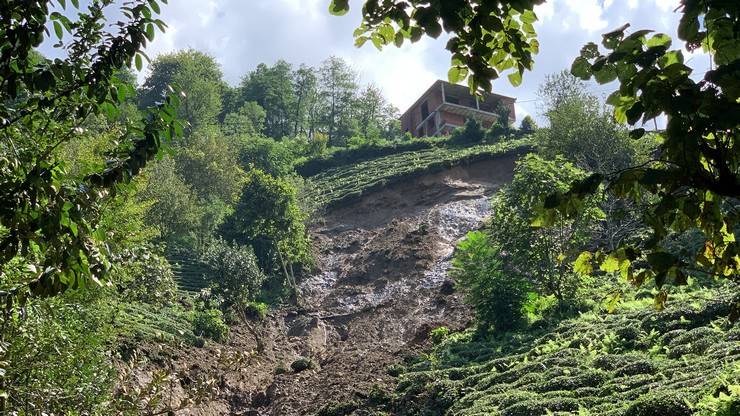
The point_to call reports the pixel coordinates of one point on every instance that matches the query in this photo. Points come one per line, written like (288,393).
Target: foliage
(591,364)
(48,217)
(193,73)
(486,38)
(210,323)
(437,335)
(247,120)
(541,255)
(348,155)
(144,276)
(528,125)
(496,296)
(302,364)
(263,153)
(234,274)
(272,89)
(55,358)
(693,180)
(472,132)
(268,218)
(581,130)
(344,183)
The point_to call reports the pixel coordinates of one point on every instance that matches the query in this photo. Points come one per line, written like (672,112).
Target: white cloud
(589,14)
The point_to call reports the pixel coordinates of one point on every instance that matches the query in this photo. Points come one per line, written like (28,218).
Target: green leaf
(583,264)
(58,30)
(659,39)
(137,61)
(454,75)
(153,4)
(515,78)
(339,7)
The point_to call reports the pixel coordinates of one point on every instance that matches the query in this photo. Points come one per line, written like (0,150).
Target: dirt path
(381,288)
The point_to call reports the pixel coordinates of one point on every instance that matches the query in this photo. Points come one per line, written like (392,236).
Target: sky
(240,34)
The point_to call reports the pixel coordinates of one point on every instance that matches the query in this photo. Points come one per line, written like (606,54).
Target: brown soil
(381,287)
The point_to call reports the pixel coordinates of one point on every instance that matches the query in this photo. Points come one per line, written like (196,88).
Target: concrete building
(444,107)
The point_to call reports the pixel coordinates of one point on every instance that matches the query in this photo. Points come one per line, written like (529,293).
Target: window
(424,110)
(452,100)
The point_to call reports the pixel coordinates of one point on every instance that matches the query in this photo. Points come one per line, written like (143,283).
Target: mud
(381,286)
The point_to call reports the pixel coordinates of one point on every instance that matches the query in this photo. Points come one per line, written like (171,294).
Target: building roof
(454,87)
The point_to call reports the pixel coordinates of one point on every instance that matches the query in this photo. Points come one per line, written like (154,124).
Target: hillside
(635,362)
(362,339)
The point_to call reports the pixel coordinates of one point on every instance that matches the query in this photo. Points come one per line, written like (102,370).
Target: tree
(194,73)
(272,89)
(338,91)
(374,113)
(581,129)
(541,255)
(496,296)
(47,218)
(268,218)
(528,125)
(306,92)
(248,120)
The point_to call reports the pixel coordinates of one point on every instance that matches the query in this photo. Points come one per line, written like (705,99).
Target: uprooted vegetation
(635,362)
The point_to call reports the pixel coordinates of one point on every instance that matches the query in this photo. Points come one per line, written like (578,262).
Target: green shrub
(496,296)
(301,364)
(145,276)
(660,404)
(439,334)
(234,274)
(210,323)
(395,370)
(471,133)
(338,408)
(256,310)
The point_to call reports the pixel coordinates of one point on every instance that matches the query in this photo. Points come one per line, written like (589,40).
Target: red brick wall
(412,117)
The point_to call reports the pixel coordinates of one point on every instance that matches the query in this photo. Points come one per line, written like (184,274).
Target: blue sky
(243,33)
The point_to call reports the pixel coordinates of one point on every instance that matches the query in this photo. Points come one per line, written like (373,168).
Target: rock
(447,288)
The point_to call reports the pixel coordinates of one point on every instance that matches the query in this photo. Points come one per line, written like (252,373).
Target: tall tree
(272,88)
(374,113)
(306,93)
(338,91)
(48,218)
(194,73)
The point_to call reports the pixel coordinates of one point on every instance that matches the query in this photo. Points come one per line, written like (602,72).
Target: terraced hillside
(350,182)
(189,273)
(638,362)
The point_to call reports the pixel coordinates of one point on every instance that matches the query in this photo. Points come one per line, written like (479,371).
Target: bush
(145,276)
(210,323)
(301,364)
(256,310)
(660,404)
(497,297)
(234,273)
(439,334)
(471,133)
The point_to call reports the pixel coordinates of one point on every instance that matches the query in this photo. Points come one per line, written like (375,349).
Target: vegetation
(137,217)
(637,361)
(345,183)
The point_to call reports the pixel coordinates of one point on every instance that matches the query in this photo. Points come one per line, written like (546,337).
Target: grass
(345,183)
(635,362)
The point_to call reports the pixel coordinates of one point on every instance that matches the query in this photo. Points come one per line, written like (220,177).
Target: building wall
(433,97)
(412,118)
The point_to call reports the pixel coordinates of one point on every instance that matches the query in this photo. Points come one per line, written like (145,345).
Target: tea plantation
(346,183)
(684,360)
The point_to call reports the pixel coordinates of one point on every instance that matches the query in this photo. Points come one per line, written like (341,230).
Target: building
(445,107)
